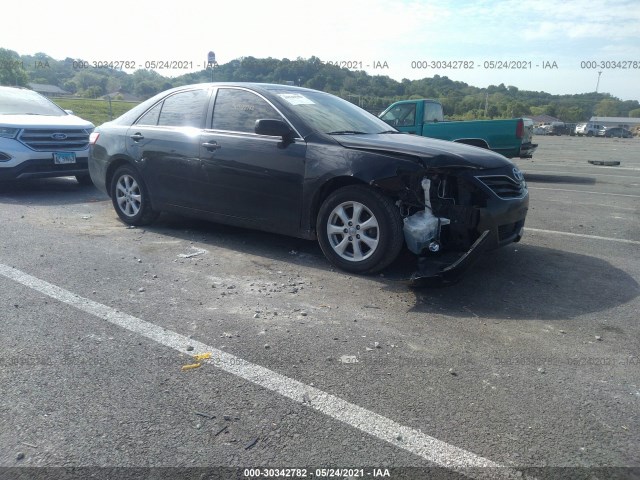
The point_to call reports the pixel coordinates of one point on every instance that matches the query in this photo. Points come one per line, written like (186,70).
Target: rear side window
(151,117)
(184,109)
(237,110)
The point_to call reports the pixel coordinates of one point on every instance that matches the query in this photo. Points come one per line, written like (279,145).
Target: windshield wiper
(390,131)
(346,132)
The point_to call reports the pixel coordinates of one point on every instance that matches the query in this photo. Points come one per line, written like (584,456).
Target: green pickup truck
(511,138)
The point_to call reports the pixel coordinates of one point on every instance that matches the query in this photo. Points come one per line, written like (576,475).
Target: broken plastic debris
(191,366)
(198,251)
(202,356)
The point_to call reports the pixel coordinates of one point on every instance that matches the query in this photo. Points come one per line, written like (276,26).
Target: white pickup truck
(588,129)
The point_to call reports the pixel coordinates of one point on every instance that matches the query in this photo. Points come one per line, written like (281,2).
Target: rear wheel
(359,230)
(130,197)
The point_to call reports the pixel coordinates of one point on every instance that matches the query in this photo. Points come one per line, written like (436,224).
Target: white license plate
(64,157)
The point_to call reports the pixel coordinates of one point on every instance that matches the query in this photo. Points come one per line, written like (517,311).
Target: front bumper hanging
(432,273)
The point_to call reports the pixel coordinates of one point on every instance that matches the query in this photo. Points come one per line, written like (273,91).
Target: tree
(11,69)
(608,107)
(635,113)
(492,111)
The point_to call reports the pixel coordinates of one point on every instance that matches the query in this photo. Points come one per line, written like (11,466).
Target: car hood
(431,152)
(44,121)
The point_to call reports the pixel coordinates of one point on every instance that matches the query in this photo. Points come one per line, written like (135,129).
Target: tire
(84,179)
(130,197)
(372,241)
(589,134)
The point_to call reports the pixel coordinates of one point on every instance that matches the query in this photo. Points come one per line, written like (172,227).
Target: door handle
(136,137)
(211,146)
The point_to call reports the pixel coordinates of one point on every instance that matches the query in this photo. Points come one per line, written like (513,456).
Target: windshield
(329,114)
(17,101)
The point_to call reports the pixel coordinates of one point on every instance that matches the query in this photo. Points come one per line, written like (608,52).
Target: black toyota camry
(307,164)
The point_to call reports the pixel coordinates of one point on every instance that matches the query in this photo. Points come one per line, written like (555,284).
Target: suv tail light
(93,138)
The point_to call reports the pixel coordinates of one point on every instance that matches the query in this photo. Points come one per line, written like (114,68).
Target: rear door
(166,144)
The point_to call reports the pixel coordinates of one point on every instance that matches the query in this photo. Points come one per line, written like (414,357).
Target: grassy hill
(94,110)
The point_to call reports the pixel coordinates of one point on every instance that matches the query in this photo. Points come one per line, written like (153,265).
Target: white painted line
(583,235)
(585,191)
(429,448)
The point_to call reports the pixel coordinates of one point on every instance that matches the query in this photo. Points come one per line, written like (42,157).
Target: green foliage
(374,93)
(11,70)
(635,113)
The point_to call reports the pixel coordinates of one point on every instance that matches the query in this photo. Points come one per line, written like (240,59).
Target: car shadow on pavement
(545,178)
(527,282)
(49,191)
(518,281)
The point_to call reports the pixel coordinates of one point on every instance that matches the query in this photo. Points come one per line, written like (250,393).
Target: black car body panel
(278,184)
(432,153)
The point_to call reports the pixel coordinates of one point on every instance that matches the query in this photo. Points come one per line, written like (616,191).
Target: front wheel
(359,230)
(130,197)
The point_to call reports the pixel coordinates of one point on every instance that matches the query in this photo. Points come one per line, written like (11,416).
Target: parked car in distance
(308,164)
(588,129)
(39,139)
(619,132)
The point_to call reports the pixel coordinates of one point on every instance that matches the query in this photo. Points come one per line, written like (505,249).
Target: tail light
(93,138)
(520,128)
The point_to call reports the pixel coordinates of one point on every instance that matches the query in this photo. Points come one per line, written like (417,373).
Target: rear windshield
(16,101)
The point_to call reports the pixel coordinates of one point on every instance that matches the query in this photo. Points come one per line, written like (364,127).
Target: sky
(556,46)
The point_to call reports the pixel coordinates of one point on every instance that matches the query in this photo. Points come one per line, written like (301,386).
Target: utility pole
(598,84)
(211,62)
(486,104)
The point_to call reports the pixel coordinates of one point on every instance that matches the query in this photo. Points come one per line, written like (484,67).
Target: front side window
(184,109)
(237,110)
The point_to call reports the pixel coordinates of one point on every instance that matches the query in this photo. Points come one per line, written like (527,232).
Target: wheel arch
(474,142)
(324,191)
(114,165)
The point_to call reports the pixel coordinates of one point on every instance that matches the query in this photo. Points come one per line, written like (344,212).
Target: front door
(252,177)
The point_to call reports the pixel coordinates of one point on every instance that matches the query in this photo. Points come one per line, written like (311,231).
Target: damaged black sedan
(308,164)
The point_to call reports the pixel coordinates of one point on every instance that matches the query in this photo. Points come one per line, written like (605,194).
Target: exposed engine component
(422,229)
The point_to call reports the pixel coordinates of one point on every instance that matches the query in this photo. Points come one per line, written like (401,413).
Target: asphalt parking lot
(529,366)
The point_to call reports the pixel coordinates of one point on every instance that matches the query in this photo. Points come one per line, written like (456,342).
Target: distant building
(48,90)
(625,122)
(125,97)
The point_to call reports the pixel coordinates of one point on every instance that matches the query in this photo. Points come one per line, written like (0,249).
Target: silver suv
(39,139)
(588,129)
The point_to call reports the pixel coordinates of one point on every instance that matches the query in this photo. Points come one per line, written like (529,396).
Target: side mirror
(274,128)
(70,112)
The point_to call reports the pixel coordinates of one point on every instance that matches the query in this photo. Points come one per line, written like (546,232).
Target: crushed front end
(452,215)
